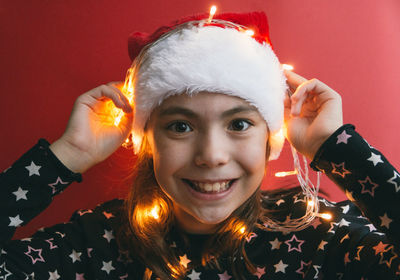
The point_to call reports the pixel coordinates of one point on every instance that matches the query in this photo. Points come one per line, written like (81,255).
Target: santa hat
(195,54)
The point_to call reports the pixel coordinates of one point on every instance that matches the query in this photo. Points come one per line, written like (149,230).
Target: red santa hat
(195,54)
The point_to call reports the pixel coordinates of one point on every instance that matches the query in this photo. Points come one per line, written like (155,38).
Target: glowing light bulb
(249,32)
(325,216)
(154,212)
(242,229)
(287,67)
(285,173)
(311,203)
(212,13)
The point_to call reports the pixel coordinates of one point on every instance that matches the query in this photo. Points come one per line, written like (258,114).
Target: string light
(285,173)
(325,216)
(212,13)
(287,67)
(249,32)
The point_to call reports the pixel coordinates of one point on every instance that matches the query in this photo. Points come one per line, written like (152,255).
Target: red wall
(52,51)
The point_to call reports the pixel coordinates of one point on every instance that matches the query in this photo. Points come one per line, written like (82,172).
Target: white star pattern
(33,169)
(394,181)
(343,137)
(30,276)
(371,227)
(54,275)
(344,223)
(375,159)
(317,268)
(194,275)
(20,194)
(276,244)
(107,267)
(280,267)
(75,256)
(333,225)
(345,208)
(108,234)
(279,202)
(4,273)
(385,221)
(15,221)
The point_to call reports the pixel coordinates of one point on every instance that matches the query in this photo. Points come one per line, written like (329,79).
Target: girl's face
(209,154)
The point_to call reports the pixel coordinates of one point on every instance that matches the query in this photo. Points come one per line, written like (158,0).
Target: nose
(212,150)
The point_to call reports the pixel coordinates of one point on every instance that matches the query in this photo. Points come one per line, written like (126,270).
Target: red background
(52,51)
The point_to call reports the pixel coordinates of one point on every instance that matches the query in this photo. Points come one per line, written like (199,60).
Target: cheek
(253,156)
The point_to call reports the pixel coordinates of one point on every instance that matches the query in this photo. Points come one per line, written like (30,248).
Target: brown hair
(150,237)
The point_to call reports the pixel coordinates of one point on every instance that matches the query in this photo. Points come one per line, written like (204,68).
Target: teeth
(209,187)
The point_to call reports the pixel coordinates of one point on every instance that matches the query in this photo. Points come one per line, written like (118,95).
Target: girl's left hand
(312,113)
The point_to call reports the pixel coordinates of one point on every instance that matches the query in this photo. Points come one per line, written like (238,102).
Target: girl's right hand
(91,136)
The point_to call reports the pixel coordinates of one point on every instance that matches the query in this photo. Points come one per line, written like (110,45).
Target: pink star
(368,186)
(250,236)
(342,137)
(260,272)
(224,276)
(55,184)
(38,258)
(296,247)
(50,241)
(303,268)
(89,251)
(79,276)
(315,223)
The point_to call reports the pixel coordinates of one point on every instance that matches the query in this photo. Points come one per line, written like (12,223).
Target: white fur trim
(212,59)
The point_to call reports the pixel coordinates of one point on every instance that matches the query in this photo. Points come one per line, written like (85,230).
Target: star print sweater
(361,241)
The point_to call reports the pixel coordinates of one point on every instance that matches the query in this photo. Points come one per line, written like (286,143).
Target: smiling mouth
(210,188)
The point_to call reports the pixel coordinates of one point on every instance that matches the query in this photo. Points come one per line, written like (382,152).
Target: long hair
(150,224)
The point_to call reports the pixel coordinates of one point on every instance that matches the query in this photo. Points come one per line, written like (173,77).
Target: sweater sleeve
(373,185)
(26,189)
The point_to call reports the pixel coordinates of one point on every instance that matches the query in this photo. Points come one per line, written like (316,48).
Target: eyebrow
(176,110)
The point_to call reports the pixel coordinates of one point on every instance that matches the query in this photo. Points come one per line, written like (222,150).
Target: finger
(119,100)
(293,79)
(127,106)
(318,89)
(301,94)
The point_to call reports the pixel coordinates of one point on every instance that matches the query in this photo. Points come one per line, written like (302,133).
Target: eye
(179,127)
(240,125)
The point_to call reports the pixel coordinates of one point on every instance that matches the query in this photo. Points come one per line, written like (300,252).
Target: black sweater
(360,242)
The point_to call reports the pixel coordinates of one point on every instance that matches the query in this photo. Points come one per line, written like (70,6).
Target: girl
(209,106)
